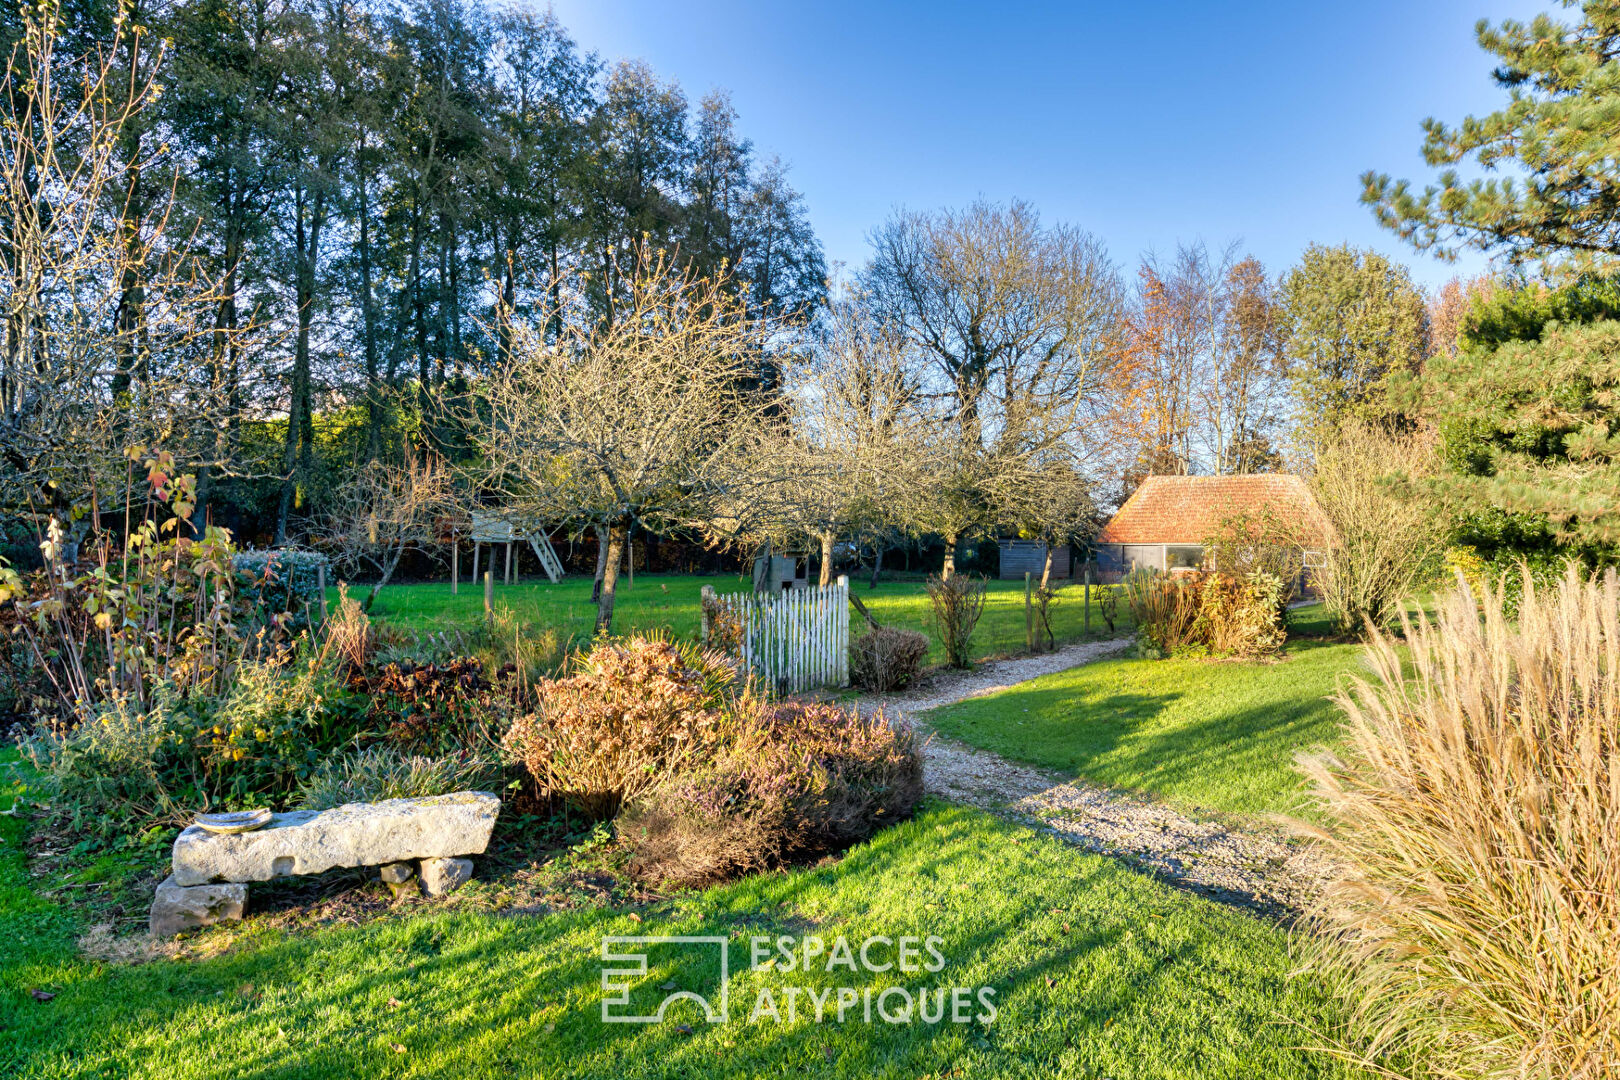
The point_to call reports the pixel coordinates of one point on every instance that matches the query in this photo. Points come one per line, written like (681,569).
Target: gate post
(1029,617)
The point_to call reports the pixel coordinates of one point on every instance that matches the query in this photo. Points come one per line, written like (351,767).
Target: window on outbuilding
(1138,556)
(1183,557)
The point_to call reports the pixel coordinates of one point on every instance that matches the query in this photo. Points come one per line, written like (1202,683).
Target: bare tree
(1050,501)
(654,419)
(1242,391)
(1384,538)
(1201,382)
(855,445)
(103,315)
(1010,326)
(384,510)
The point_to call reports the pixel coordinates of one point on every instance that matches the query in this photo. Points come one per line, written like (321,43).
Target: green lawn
(670,603)
(1096,971)
(1206,735)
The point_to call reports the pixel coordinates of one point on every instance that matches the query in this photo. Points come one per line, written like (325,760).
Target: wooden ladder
(541,543)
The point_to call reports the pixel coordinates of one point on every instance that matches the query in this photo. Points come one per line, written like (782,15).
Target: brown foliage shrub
(629,715)
(1242,616)
(1476,808)
(435,707)
(798,781)
(958,602)
(887,658)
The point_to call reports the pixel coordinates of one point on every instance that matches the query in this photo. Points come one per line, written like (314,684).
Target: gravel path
(1254,866)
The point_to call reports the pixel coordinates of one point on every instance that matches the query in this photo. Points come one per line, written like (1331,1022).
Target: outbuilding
(1019,557)
(1165,522)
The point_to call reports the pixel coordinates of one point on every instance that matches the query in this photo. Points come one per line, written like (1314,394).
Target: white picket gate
(795,640)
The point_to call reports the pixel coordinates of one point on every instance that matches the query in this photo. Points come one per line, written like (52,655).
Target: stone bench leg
(176,908)
(440,876)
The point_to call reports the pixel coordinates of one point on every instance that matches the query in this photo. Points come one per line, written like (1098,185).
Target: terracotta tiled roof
(1187,509)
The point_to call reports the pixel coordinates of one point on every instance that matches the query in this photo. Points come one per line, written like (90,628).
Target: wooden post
(1029,616)
(1088,598)
(509,562)
(455,565)
(489,596)
(708,598)
(475,561)
(630,560)
(320,579)
(841,634)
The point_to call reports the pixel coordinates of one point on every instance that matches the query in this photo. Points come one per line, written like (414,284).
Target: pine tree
(1527,412)
(1527,403)
(1561,125)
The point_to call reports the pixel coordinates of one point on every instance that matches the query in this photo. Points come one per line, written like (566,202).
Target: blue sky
(1148,124)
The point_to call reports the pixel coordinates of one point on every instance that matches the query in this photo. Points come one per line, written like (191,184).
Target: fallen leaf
(683,1029)
(550,1028)
(42,995)
(1065,928)
(399,1049)
(634,917)
(393,1003)
(667,986)
(1050,982)
(828,1052)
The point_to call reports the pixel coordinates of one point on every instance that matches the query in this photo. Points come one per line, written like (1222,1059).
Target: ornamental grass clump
(1164,609)
(1476,812)
(632,712)
(798,781)
(385,772)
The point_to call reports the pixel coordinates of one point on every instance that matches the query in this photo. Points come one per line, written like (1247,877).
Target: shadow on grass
(1094,970)
(1212,735)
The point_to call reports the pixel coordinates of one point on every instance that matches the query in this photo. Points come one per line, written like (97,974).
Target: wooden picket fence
(794,641)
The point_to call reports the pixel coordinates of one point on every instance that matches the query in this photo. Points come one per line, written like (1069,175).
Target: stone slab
(356,834)
(176,907)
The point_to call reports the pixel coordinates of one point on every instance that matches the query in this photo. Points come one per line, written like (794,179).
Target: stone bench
(207,883)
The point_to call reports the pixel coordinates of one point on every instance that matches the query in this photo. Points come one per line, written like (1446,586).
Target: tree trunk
(419,321)
(826,559)
(610,579)
(1046,571)
(877,564)
(368,317)
(949,568)
(601,563)
(299,457)
(386,573)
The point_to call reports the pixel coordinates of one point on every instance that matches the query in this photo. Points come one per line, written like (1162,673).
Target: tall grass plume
(1475,927)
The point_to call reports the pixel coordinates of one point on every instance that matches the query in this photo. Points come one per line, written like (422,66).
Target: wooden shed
(1019,557)
(1164,524)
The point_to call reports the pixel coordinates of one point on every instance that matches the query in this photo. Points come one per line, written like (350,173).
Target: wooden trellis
(794,641)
